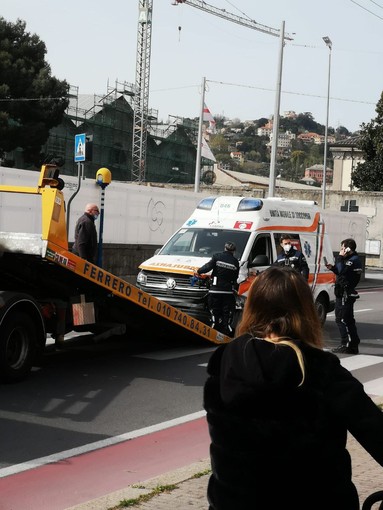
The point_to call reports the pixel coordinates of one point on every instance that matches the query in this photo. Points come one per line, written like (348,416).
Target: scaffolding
(109,121)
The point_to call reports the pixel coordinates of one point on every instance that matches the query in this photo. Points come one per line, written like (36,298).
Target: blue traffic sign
(79,148)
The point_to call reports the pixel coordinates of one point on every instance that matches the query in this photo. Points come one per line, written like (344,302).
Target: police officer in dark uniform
(348,270)
(290,256)
(221,299)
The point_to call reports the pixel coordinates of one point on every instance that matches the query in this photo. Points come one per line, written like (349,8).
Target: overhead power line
(267,90)
(365,8)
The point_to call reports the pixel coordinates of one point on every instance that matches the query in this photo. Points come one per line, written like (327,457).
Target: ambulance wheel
(321,306)
(17,346)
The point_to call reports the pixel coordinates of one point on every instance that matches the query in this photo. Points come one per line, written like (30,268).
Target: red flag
(207,114)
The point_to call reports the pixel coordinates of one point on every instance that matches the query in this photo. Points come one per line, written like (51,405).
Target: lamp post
(328,43)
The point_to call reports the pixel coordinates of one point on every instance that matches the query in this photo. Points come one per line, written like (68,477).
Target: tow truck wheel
(17,346)
(321,306)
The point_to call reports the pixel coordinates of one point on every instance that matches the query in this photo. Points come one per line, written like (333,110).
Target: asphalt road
(90,393)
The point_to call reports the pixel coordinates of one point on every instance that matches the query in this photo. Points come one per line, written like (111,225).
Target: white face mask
(287,247)
(95,216)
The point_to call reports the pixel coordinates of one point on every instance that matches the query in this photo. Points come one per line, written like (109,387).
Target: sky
(93,44)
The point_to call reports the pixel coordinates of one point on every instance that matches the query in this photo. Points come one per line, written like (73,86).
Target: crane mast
(141,98)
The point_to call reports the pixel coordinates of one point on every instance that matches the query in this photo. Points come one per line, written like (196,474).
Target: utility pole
(274,147)
(199,139)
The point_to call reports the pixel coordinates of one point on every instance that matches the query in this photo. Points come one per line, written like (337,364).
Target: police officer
(348,270)
(221,299)
(290,256)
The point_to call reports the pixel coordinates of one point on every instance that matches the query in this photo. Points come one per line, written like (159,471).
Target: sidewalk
(187,486)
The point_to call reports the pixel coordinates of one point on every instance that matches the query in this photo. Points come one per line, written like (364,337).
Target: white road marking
(374,387)
(360,361)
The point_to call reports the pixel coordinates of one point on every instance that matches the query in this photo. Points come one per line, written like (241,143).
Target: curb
(146,487)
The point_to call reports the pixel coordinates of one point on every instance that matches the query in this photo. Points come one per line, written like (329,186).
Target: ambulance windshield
(204,242)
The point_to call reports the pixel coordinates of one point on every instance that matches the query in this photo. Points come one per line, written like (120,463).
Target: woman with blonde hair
(279,408)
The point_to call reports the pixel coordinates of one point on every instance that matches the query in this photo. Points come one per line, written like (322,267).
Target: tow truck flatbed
(45,288)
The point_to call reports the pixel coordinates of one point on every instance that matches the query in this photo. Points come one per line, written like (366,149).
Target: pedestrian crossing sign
(79,148)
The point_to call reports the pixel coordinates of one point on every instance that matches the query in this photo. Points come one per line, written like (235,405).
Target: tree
(218,144)
(342,131)
(368,176)
(261,122)
(31,100)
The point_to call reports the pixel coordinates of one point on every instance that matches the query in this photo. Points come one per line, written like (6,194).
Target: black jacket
(295,259)
(348,271)
(85,238)
(225,270)
(275,445)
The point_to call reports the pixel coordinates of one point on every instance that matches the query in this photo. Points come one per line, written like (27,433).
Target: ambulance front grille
(160,284)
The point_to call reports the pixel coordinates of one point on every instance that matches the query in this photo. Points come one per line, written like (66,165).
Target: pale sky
(93,43)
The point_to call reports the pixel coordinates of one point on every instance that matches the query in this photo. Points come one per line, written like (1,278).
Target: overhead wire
(266,89)
(292,93)
(376,3)
(365,8)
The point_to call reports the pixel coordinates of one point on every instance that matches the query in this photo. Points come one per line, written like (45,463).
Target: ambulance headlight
(142,278)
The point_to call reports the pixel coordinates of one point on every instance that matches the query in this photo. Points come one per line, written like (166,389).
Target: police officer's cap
(230,246)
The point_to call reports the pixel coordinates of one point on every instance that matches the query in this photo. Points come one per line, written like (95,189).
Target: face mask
(287,247)
(95,216)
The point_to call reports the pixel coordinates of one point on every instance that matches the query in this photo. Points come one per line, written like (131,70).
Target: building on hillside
(284,140)
(265,131)
(315,172)
(320,139)
(307,137)
(237,156)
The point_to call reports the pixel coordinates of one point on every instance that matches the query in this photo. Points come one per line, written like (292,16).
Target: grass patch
(126,503)
(202,473)
(159,489)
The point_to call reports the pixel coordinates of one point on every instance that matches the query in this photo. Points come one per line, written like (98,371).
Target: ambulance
(255,226)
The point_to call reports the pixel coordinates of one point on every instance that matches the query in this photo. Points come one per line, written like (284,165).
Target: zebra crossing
(366,368)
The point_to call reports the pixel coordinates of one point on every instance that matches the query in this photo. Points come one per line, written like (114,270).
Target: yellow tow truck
(47,289)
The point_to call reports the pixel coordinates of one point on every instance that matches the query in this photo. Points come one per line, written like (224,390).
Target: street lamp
(328,43)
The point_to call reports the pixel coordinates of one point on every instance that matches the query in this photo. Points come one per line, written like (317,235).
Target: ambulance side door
(261,254)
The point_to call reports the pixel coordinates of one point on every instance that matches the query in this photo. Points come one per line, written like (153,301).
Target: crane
(222,13)
(141,98)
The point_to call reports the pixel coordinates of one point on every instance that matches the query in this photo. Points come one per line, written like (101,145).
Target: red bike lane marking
(79,479)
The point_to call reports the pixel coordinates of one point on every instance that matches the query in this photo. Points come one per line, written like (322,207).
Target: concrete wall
(140,218)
